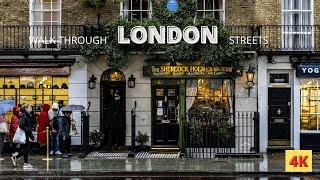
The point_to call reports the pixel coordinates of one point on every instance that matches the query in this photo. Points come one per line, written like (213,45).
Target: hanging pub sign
(312,70)
(186,71)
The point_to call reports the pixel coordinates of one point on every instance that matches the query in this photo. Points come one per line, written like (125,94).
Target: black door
(279,116)
(113,113)
(165,102)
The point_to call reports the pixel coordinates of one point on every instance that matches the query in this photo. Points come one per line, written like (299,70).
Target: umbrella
(73,107)
(6,105)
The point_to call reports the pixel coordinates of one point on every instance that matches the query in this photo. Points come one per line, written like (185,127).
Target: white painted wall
(78,94)
(282,63)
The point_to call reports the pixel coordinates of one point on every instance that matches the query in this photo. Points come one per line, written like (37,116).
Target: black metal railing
(25,37)
(290,37)
(277,37)
(254,38)
(208,135)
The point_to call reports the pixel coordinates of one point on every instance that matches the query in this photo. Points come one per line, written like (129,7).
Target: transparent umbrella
(73,108)
(6,105)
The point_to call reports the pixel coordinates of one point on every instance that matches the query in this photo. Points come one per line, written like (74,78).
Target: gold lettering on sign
(192,70)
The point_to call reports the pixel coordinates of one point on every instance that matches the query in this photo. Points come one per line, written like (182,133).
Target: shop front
(42,80)
(309,105)
(183,92)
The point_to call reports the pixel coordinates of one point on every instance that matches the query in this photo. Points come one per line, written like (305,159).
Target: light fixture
(131,82)
(172,61)
(270,59)
(250,78)
(92,82)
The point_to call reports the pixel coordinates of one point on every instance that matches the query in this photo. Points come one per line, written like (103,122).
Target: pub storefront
(184,92)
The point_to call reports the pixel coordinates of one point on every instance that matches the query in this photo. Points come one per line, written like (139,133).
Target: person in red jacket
(15,120)
(44,122)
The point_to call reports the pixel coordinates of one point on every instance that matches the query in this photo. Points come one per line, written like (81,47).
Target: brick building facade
(255,17)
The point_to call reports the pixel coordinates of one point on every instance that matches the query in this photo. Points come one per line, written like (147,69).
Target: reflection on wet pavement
(99,166)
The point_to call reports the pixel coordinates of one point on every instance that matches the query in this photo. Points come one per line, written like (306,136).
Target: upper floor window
(136,9)
(297,21)
(45,21)
(211,9)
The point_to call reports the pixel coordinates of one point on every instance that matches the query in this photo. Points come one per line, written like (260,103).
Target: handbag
(73,128)
(4,127)
(19,137)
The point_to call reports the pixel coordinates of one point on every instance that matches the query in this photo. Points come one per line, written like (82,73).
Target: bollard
(47,159)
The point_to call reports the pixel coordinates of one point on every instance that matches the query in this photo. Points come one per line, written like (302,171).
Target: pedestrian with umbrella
(3,129)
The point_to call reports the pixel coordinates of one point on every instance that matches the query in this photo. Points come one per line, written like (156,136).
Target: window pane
(306,4)
(145,4)
(309,109)
(36,16)
(135,4)
(36,5)
(209,4)
(200,4)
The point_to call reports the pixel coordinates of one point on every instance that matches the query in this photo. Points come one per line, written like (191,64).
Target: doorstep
(279,148)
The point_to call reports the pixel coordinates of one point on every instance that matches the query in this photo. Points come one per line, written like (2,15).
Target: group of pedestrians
(24,118)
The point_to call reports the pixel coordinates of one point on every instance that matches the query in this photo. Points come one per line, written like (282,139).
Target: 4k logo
(298,161)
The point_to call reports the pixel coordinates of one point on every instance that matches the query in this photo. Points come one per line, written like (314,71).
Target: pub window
(34,90)
(45,23)
(136,9)
(211,9)
(310,104)
(297,21)
(209,95)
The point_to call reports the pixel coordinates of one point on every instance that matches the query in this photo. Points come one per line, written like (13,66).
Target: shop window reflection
(309,105)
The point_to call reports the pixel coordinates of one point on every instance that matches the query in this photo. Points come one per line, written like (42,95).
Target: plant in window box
(96,137)
(142,139)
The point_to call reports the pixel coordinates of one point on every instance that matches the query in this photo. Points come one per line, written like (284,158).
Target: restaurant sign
(186,71)
(312,70)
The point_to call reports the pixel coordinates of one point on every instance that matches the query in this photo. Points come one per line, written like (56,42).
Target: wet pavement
(270,165)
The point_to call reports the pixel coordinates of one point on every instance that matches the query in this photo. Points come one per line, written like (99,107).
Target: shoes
(65,156)
(51,153)
(58,153)
(1,159)
(14,160)
(27,166)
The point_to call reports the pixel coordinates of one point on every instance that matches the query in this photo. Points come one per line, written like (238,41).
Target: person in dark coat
(64,131)
(26,126)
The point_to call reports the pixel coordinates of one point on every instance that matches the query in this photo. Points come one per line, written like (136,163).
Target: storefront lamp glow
(92,82)
(250,78)
(131,82)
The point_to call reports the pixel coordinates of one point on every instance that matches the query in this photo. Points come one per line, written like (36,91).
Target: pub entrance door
(113,108)
(165,116)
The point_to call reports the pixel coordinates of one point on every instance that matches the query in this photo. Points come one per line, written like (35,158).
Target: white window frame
(42,26)
(204,10)
(124,11)
(290,29)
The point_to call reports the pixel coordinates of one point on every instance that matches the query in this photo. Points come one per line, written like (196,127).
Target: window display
(34,90)
(309,105)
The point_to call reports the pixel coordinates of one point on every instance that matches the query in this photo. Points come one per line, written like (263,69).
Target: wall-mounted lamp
(131,82)
(270,59)
(92,82)
(250,78)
